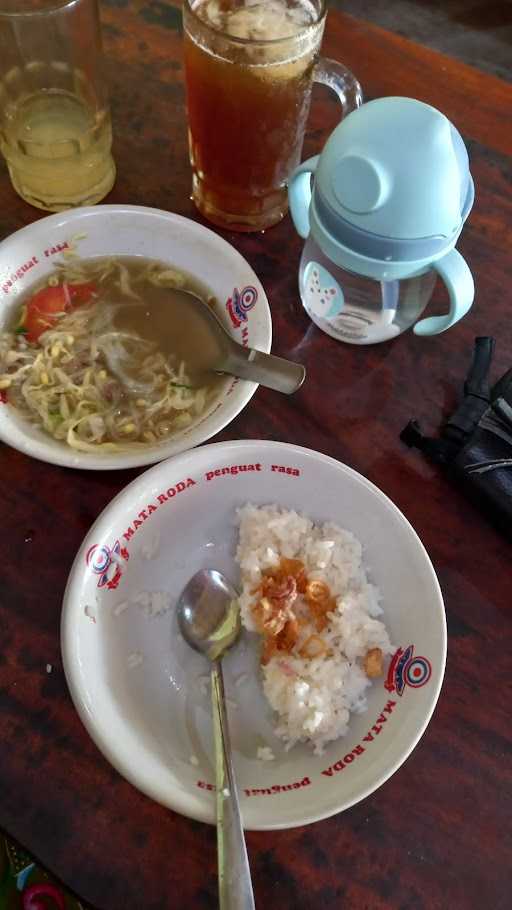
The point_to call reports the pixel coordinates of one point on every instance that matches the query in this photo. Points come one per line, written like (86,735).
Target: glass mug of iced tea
(55,129)
(249,67)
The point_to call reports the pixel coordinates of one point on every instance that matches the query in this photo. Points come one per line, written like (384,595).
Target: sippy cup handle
(299,195)
(458,279)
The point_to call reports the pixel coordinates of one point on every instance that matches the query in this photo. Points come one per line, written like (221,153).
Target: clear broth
(161,316)
(141,354)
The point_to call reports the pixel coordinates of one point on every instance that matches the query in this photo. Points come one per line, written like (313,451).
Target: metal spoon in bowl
(190,328)
(228,356)
(209,620)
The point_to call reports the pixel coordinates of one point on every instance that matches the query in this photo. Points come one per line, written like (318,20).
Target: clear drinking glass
(249,69)
(55,128)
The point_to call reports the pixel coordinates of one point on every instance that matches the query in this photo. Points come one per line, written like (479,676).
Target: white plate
(131,230)
(151,719)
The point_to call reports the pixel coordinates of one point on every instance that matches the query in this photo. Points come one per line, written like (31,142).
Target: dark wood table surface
(437,835)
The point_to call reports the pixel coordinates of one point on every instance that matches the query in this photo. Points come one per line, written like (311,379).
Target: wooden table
(437,834)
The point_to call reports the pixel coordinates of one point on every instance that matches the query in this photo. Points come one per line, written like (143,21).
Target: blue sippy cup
(391,192)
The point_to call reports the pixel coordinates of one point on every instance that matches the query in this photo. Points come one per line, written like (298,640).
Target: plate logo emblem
(407,670)
(240,303)
(106,562)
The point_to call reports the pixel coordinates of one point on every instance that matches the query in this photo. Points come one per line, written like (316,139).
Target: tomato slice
(45,307)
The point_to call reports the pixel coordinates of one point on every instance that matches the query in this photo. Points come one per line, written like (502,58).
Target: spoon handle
(267,369)
(235,888)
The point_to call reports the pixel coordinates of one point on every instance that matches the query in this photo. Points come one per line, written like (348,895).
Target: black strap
(458,429)
(477,380)
(503,388)
(441,450)
(476,394)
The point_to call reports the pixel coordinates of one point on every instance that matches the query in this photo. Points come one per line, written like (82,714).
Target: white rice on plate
(313,695)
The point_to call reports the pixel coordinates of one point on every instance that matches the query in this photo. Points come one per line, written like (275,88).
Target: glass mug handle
(338,78)
(350,95)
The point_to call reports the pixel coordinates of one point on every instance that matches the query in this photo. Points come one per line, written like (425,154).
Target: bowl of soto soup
(101,367)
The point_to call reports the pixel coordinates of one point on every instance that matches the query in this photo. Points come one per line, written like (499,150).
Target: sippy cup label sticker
(324,297)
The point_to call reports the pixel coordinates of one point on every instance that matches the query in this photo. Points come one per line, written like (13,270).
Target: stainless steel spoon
(209,620)
(228,356)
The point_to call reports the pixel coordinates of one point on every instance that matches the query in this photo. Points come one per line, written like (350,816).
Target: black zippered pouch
(475,444)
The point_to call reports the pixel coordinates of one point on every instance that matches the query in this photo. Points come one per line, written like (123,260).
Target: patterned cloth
(24,885)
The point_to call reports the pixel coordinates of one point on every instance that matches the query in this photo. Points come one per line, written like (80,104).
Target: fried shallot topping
(287,604)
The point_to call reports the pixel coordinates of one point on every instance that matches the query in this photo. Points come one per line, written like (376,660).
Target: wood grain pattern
(436,836)
(388,64)
(477,33)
